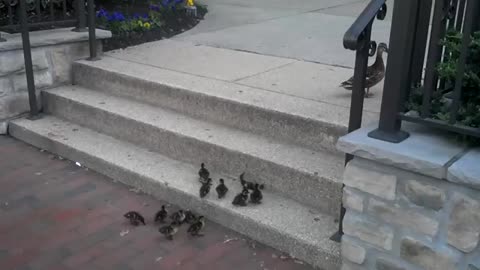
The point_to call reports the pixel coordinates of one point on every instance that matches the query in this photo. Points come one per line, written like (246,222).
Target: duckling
(178,217)
(203,173)
(241,198)
(221,189)
(190,217)
(196,227)
(169,231)
(248,185)
(161,215)
(256,196)
(205,188)
(135,218)
(375,72)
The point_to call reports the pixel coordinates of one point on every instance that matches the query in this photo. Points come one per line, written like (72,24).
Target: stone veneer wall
(53,52)
(410,219)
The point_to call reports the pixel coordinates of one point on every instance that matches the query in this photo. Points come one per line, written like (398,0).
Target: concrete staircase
(151,128)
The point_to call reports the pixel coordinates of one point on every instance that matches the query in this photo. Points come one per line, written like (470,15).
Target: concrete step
(279,222)
(310,177)
(312,124)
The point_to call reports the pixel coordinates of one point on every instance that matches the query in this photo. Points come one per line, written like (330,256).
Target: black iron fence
(41,14)
(432,76)
(27,15)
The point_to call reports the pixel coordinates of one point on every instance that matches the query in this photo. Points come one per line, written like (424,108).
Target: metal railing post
(92,39)
(27,54)
(398,74)
(81,20)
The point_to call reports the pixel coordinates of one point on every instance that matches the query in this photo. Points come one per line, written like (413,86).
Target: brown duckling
(197,226)
(205,188)
(169,231)
(221,189)
(256,196)
(178,217)
(241,198)
(203,173)
(135,218)
(161,215)
(190,217)
(375,72)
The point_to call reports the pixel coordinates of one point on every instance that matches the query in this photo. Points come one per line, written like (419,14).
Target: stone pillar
(411,206)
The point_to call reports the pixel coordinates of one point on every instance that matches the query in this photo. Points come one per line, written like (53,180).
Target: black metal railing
(358,38)
(27,15)
(436,92)
(41,14)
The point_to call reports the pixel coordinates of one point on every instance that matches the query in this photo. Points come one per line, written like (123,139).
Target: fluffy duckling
(241,198)
(256,196)
(203,173)
(205,188)
(169,231)
(161,215)
(221,189)
(135,218)
(197,226)
(178,217)
(190,217)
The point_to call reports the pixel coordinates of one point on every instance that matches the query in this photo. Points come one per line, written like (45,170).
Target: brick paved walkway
(55,215)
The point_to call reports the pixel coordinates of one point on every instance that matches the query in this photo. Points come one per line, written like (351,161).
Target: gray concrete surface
(304,175)
(305,29)
(278,222)
(296,119)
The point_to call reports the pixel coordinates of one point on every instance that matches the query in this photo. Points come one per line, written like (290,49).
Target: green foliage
(469,109)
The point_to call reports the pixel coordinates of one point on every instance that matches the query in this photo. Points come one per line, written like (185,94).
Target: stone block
(13,62)
(5,86)
(3,127)
(369,231)
(371,181)
(42,79)
(406,217)
(386,264)
(425,195)
(61,64)
(353,251)
(352,200)
(419,253)
(351,266)
(464,224)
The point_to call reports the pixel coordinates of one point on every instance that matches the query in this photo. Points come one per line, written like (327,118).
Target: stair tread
(280,214)
(324,164)
(330,114)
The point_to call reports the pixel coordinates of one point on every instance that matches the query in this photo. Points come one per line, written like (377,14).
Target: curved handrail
(354,33)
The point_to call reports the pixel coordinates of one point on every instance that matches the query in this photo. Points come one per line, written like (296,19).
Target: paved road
(310,30)
(55,215)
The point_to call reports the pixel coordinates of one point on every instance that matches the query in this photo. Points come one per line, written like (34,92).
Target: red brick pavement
(55,215)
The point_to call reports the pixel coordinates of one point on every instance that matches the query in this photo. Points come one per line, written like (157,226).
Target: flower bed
(134,23)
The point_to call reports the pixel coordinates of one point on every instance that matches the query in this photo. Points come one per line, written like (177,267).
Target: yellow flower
(190,3)
(147,25)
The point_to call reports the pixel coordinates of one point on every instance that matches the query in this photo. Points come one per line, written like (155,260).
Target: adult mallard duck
(375,72)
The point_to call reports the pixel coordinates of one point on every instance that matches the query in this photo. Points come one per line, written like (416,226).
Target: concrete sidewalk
(309,30)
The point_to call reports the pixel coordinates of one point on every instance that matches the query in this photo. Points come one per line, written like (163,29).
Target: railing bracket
(393,137)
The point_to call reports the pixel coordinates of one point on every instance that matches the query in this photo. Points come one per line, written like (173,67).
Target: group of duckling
(241,199)
(177,219)
(186,216)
